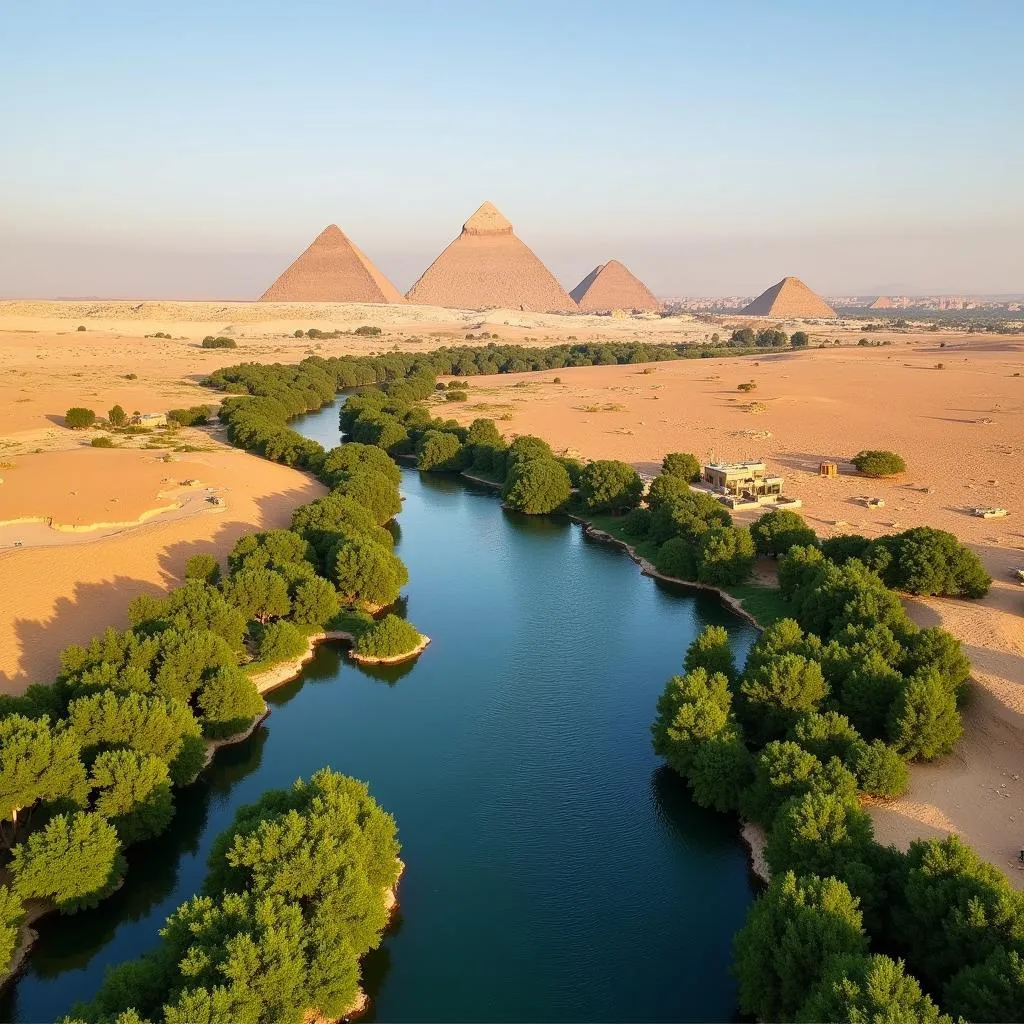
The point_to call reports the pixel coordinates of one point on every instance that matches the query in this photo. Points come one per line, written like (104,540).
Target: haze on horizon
(191,150)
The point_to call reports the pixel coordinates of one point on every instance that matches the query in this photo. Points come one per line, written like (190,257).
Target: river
(555,870)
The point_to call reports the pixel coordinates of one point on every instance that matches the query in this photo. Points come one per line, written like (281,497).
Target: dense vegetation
(832,704)
(873,462)
(295,894)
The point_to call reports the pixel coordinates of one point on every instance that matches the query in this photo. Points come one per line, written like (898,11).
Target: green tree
(681,464)
(203,567)
(315,603)
(991,990)
(743,338)
(819,834)
(799,339)
(75,860)
(775,695)
(769,337)
(78,418)
(38,763)
(870,989)
(692,709)
(676,558)
(721,772)
(228,700)
(352,458)
(869,693)
(955,911)
(133,792)
(375,492)
(827,734)
(259,594)
(389,637)
(711,651)
(725,556)
(281,641)
(666,487)
(780,529)
(791,934)
(924,722)
(439,451)
(12,913)
(688,516)
(279,550)
(880,770)
(536,486)
(484,432)
(117,417)
(365,571)
(610,486)
(927,561)
(877,462)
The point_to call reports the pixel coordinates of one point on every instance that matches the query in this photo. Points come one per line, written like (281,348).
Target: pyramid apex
(487,220)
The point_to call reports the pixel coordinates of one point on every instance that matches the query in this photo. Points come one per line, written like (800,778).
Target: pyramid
(488,266)
(611,286)
(332,269)
(882,302)
(787,299)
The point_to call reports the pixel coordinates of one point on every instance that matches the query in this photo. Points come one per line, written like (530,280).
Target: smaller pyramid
(611,286)
(488,266)
(882,302)
(789,299)
(332,269)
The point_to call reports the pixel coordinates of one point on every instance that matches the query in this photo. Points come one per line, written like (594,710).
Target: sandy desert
(952,404)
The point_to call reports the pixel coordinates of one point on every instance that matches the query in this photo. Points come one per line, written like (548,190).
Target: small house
(149,419)
(744,484)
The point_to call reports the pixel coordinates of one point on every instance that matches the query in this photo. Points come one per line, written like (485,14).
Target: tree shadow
(91,607)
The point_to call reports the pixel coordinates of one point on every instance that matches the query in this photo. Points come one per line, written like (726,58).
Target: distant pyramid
(332,269)
(787,299)
(882,302)
(611,286)
(487,266)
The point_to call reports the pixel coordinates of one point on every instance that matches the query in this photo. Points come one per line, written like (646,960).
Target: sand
(960,429)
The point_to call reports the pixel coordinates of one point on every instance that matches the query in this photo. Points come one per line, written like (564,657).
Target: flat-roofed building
(750,481)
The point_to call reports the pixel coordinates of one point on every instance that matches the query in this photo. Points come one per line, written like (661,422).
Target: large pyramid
(487,266)
(789,298)
(611,286)
(882,302)
(332,269)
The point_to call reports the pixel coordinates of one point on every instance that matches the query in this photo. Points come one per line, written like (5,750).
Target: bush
(537,486)
(366,571)
(880,770)
(229,701)
(102,442)
(637,524)
(196,415)
(780,529)
(455,396)
(80,327)
(367,332)
(799,339)
(78,418)
(711,651)
(991,990)
(664,488)
(281,641)
(221,342)
(391,637)
(778,693)
(691,710)
(878,463)
(315,602)
(924,722)
(117,417)
(681,464)
(610,486)
(933,562)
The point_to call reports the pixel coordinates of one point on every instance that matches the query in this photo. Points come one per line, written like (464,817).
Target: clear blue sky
(192,148)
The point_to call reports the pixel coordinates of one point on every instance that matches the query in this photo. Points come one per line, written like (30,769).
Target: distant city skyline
(190,151)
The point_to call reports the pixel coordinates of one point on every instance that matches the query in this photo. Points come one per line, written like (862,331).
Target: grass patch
(766,604)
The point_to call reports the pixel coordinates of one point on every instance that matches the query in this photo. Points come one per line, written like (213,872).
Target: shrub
(665,487)
(298,332)
(196,415)
(220,342)
(117,417)
(924,722)
(711,651)
(366,571)
(780,529)
(991,990)
(681,464)
(537,486)
(933,562)
(799,339)
(80,327)
(315,602)
(746,386)
(78,418)
(878,463)
(390,637)
(610,486)
(367,332)
(637,524)
(743,338)
(692,709)
(455,396)
(769,337)
(229,701)
(102,442)
(777,693)
(880,770)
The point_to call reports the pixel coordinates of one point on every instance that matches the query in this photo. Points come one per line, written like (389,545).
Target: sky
(192,148)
